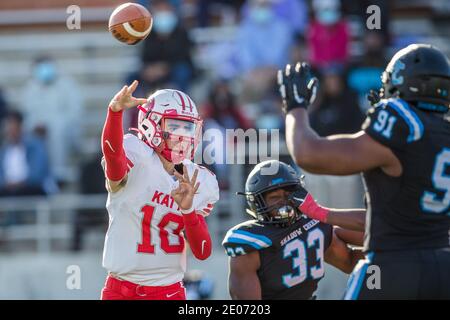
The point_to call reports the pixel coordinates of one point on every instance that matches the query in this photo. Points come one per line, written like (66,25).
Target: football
(130,23)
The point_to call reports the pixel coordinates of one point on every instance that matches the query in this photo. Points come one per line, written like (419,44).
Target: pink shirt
(328,44)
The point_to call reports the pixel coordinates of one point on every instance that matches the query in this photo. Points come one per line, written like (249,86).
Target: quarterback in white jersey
(157,197)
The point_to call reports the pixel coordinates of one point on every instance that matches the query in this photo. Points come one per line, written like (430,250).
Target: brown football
(130,23)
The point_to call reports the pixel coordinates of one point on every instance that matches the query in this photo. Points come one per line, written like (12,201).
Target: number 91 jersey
(411,211)
(291,258)
(144,243)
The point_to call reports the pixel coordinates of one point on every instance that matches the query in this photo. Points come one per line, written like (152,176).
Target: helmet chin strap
(163,150)
(166,152)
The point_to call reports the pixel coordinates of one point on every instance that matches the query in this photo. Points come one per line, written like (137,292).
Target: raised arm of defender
(335,155)
(350,219)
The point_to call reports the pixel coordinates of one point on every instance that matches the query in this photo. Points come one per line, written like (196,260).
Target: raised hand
(124,98)
(184,193)
(373,97)
(297,86)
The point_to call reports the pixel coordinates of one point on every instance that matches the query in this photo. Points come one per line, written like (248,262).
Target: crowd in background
(39,144)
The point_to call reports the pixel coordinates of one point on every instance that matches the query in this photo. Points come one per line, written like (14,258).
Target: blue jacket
(37,160)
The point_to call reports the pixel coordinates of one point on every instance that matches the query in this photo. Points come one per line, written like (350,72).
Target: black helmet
(419,73)
(259,183)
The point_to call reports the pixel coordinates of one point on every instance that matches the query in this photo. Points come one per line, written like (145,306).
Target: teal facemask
(45,72)
(328,17)
(165,22)
(261,14)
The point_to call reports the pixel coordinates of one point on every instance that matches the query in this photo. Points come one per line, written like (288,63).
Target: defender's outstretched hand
(124,98)
(184,194)
(297,86)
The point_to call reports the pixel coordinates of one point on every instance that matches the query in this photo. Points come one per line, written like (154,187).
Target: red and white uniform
(144,249)
(144,243)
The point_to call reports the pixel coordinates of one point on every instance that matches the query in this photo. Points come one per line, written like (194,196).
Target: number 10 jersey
(144,243)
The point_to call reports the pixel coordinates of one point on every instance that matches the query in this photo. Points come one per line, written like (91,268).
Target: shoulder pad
(394,123)
(135,149)
(246,237)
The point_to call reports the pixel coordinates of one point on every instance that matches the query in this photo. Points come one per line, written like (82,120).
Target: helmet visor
(181,137)
(181,128)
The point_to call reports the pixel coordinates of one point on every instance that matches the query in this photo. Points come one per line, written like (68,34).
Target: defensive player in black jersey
(403,151)
(280,253)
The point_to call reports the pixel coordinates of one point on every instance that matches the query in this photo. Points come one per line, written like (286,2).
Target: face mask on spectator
(45,72)
(165,22)
(328,17)
(261,14)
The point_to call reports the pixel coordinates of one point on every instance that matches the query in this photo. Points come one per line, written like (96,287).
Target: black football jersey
(292,258)
(410,211)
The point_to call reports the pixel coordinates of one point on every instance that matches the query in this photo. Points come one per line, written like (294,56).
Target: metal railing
(43,230)
(53,216)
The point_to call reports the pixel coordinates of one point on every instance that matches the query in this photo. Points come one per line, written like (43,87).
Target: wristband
(187,211)
(313,210)
(190,218)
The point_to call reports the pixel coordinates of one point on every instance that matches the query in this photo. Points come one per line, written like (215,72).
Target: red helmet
(170,124)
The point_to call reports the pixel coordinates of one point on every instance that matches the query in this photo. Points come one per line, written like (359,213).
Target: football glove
(305,202)
(297,86)
(373,97)
(298,196)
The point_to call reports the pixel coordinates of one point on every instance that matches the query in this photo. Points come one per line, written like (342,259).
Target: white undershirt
(15,164)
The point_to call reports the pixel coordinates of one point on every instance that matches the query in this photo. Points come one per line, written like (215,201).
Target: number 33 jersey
(144,243)
(411,211)
(291,258)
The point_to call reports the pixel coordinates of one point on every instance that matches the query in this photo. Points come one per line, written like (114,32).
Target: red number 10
(146,245)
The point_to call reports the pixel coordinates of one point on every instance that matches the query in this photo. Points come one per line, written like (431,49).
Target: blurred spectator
(3,106)
(294,12)
(221,112)
(24,165)
(365,73)
(166,55)
(92,181)
(222,108)
(216,12)
(270,116)
(336,110)
(53,107)
(262,46)
(358,11)
(328,36)
(260,30)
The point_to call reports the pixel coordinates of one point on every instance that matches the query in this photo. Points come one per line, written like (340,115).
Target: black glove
(373,97)
(297,86)
(298,196)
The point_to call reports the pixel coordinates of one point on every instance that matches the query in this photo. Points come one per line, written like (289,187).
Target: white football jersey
(144,243)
